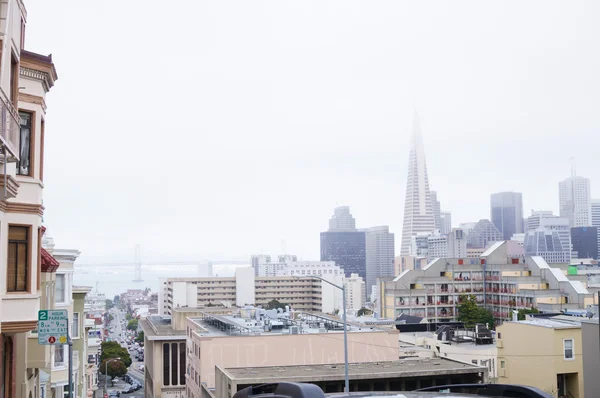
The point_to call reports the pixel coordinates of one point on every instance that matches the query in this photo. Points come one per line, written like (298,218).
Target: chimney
(515,315)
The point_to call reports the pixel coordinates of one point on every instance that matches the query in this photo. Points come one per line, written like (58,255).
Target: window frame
(32,117)
(76,325)
(572,357)
(28,284)
(14,78)
(64,290)
(64,356)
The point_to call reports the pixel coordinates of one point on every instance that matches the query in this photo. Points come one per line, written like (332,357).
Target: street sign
(53,326)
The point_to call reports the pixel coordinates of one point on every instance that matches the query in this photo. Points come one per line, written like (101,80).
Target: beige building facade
(543,353)
(299,294)
(25,78)
(219,340)
(502,279)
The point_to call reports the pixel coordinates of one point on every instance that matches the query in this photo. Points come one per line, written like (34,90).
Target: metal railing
(10,125)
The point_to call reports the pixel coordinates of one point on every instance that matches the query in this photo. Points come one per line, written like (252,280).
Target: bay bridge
(137,264)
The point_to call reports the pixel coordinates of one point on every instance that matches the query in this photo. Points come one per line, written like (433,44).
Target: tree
(470,313)
(526,311)
(133,324)
(115,369)
(140,337)
(109,304)
(112,349)
(274,304)
(128,316)
(116,299)
(364,311)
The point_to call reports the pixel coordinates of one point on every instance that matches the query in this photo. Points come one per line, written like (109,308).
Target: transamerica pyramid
(418,209)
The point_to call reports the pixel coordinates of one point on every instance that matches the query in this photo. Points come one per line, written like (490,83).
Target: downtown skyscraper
(575,200)
(418,207)
(506,210)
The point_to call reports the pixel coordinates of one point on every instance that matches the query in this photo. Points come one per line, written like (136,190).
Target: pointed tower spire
(418,208)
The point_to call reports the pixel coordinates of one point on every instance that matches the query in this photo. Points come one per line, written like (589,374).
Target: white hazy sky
(218,129)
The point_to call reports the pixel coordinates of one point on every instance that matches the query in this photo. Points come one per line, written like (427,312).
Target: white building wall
(575,201)
(355,292)
(457,244)
(179,295)
(331,296)
(244,286)
(437,246)
(596,217)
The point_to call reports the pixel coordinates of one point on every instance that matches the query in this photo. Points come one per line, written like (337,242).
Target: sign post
(53,329)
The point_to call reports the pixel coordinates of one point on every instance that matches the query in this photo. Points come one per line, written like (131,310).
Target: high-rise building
(418,209)
(551,240)
(437,246)
(344,244)
(457,244)
(483,234)
(342,220)
(379,254)
(596,217)
(355,292)
(446,218)
(585,242)
(533,222)
(437,216)
(575,199)
(507,212)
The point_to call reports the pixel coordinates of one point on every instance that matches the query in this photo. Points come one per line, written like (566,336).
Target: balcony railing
(10,126)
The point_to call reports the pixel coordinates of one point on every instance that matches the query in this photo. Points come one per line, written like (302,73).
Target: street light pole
(106,372)
(343,289)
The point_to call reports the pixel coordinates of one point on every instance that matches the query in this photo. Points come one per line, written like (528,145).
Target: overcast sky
(218,129)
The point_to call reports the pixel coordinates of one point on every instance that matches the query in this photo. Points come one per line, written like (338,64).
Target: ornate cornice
(38,75)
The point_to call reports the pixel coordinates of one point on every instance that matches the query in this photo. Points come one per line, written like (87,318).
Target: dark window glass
(166,363)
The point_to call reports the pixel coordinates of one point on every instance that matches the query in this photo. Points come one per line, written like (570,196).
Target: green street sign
(53,327)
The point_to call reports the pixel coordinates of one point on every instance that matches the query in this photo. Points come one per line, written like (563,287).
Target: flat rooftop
(235,325)
(551,323)
(157,327)
(368,370)
(409,338)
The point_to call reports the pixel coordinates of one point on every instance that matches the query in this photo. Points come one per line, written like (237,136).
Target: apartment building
(355,292)
(244,288)
(544,353)
(25,78)
(80,341)
(250,337)
(502,279)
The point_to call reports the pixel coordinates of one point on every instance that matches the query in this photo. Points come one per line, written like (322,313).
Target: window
(26,145)
(75,326)
(502,364)
(59,355)
(60,288)
(18,259)
(568,348)
(42,128)
(14,80)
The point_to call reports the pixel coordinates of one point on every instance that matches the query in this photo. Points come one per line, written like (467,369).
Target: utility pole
(70,342)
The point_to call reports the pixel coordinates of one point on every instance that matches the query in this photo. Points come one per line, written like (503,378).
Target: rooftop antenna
(573,170)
